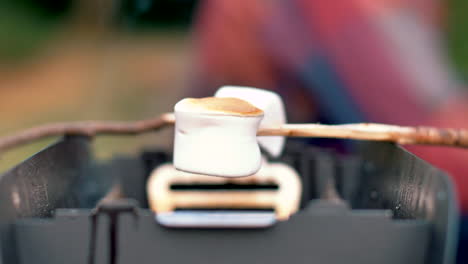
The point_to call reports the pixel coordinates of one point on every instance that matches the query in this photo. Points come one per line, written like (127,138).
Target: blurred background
(64,60)
(393,61)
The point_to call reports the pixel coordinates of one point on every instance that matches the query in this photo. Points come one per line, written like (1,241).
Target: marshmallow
(217,136)
(272,106)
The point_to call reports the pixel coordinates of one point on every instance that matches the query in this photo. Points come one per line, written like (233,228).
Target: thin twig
(375,132)
(85,128)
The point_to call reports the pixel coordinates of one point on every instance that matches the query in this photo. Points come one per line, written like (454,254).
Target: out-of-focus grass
(126,105)
(13,157)
(23,31)
(458,35)
(134,75)
(140,77)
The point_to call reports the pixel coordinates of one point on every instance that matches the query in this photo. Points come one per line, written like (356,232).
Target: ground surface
(125,78)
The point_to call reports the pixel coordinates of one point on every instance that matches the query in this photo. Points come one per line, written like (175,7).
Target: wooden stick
(364,131)
(86,128)
(375,132)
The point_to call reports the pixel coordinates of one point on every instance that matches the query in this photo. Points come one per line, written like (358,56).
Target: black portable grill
(399,209)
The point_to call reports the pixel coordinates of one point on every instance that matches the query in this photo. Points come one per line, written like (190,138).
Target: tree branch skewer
(364,131)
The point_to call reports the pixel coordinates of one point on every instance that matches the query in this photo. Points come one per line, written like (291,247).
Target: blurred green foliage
(25,27)
(457,33)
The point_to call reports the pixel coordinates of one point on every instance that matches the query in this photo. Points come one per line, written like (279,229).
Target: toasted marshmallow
(273,107)
(217,136)
(218,106)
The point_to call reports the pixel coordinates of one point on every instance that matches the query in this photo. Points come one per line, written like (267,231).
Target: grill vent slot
(223,187)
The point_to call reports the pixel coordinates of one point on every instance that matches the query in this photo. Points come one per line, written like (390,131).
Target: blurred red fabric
(340,61)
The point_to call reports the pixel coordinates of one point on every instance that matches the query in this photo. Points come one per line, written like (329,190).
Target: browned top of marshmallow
(219,105)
